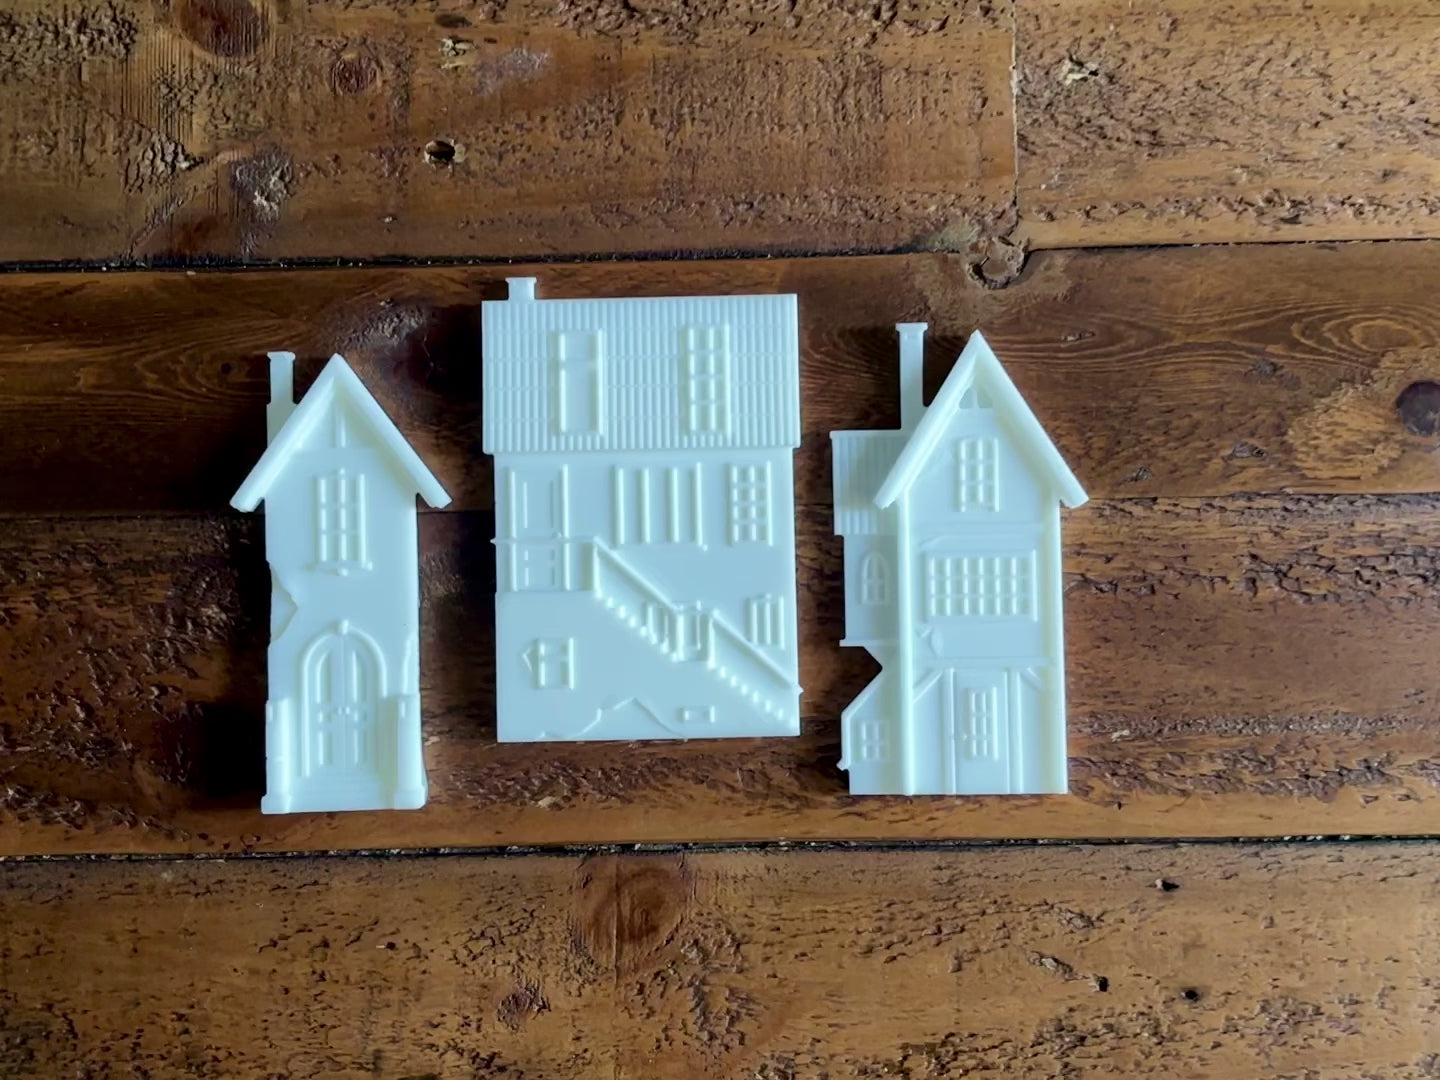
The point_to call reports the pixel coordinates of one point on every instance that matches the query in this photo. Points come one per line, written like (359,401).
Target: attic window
(340,536)
(705,366)
(977,475)
(579,374)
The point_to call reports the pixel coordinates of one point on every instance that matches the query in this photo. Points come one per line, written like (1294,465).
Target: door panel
(968,713)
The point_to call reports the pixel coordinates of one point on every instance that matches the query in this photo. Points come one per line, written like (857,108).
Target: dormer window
(705,360)
(977,475)
(579,373)
(340,506)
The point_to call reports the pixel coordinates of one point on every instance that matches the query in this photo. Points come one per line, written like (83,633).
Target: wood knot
(629,911)
(223,27)
(1419,408)
(518,1006)
(353,73)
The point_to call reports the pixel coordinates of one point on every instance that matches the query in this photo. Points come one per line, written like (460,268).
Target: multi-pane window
(705,366)
(873,745)
(977,480)
(980,585)
(980,735)
(552,663)
(340,537)
(749,503)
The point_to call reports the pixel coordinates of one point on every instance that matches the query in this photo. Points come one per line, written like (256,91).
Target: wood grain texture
(1277,961)
(1226,120)
(263,129)
(1183,372)
(1243,667)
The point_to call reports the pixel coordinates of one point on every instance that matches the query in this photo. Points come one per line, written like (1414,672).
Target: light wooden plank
(1213,961)
(1205,121)
(262,129)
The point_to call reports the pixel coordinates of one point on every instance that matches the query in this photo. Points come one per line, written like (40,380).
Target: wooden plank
(1226,120)
(1184,372)
(1246,667)
(261,129)
(1313,961)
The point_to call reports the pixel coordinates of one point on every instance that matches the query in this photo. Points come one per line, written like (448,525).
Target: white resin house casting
(644,505)
(951,530)
(342,723)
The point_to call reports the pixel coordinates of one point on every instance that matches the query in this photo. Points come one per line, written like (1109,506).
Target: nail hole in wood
(1419,407)
(440,152)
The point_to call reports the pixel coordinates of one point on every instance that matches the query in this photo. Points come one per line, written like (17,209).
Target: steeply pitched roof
(336,381)
(977,365)
(861,460)
(641,389)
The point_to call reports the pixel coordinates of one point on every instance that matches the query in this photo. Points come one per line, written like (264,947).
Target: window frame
(552,663)
(977,474)
(748,497)
(340,525)
(980,586)
(705,371)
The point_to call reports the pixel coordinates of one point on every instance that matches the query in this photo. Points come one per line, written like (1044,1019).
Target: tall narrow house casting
(342,723)
(951,528)
(644,506)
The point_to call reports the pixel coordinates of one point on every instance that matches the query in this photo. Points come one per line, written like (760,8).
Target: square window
(552,663)
(873,745)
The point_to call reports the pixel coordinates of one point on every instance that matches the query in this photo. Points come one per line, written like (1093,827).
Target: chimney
(521,288)
(912,373)
(282,392)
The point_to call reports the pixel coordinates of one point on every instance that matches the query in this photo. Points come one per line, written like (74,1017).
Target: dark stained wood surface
(1240,667)
(1185,372)
(1226,120)
(1275,961)
(263,129)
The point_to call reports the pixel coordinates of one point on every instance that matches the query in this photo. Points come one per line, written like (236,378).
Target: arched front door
(342,699)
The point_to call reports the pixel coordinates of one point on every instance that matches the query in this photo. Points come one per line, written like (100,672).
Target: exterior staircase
(691,634)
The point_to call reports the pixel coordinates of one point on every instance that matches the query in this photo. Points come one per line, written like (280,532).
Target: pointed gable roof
(336,382)
(978,365)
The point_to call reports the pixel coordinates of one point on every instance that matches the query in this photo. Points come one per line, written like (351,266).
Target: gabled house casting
(644,506)
(951,530)
(342,723)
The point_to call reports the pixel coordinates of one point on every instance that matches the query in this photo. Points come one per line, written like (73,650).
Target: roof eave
(336,377)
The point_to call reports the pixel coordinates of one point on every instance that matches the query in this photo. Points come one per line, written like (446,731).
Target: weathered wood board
(1242,667)
(263,129)
(1240,664)
(1276,961)
(1205,121)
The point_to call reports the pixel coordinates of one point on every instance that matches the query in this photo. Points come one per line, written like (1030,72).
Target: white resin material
(644,515)
(342,723)
(951,528)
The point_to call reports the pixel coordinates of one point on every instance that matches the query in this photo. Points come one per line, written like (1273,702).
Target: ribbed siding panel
(861,461)
(643,407)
